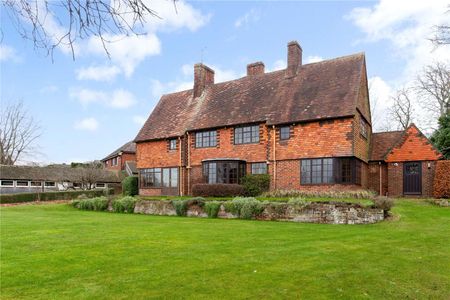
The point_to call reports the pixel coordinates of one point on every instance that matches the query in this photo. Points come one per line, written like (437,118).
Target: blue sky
(90,106)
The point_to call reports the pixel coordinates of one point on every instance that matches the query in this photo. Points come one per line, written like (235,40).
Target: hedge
(441,186)
(217,190)
(48,196)
(255,184)
(130,186)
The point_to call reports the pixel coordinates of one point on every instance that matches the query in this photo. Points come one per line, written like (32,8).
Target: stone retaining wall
(312,212)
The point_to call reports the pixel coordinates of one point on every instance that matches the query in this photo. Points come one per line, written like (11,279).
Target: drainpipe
(274,158)
(381,178)
(188,168)
(180,181)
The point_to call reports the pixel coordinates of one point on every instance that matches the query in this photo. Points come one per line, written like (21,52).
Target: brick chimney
(203,77)
(256,68)
(294,58)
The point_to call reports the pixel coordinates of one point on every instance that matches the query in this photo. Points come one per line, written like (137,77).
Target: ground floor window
(259,168)
(7,183)
(223,171)
(331,170)
(159,177)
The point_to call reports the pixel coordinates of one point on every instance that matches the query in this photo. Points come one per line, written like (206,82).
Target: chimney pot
(203,77)
(294,58)
(256,68)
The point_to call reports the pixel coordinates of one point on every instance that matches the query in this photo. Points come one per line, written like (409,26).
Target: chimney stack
(294,58)
(203,77)
(256,68)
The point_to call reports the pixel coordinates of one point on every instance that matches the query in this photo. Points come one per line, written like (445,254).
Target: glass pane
(174,177)
(166,178)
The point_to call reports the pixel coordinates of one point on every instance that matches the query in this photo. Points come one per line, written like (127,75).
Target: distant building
(122,159)
(21,179)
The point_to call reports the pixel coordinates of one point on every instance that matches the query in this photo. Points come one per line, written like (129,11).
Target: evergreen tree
(441,137)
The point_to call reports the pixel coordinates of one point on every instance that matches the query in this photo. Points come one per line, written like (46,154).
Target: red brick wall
(414,147)
(150,192)
(361,143)
(127,157)
(395,179)
(374,177)
(109,166)
(156,154)
(121,161)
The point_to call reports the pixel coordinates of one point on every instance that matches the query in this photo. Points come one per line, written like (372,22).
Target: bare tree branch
(18,133)
(402,110)
(433,85)
(441,33)
(61,23)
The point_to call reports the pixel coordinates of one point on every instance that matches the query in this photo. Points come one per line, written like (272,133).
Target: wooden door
(412,178)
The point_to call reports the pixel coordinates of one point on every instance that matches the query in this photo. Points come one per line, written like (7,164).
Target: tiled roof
(327,89)
(383,142)
(52,173)
(129,147)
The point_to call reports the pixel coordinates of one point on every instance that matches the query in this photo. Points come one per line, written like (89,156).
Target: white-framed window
(100,185)
(172,144)
(7,183)
(22,183)
(49,183)
(259,168)
(36,184)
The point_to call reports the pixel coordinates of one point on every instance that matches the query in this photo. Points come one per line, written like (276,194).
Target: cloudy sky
(90,106)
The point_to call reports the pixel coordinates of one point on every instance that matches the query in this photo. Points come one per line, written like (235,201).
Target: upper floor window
(172,144)
(259,168)
(114,161)
(246,134)
(363,127)
(206,139)
(285,133)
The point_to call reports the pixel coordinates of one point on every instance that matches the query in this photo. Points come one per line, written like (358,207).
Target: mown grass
(59,252)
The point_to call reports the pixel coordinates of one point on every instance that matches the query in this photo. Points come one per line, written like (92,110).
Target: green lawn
(58,252)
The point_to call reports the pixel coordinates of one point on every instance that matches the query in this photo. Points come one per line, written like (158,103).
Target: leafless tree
(18,133)
(90,173)
(433,85)
(60,23)
(402,110)
(442,33)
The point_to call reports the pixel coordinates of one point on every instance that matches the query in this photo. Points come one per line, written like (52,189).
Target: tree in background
(18,133)
(402,110)
(442,33)
(89,173)
(433,85)
(53,23)
(441,137)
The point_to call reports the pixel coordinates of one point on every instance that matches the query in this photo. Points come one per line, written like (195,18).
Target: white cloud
(122,99)
(279,64)
(8,53)
(89,124)
(118,98)
(98,73)
(251,16)
(313,59)
(407,26)
(380,101)
(140,120)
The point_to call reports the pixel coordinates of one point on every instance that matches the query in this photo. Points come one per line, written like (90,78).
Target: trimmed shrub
(180,206)
(124,205)
(130,186)
(49,196)
(100,203)
(441,185)
(246,207)
(255,185)
(359,194)
(383,203)
(217,190)
(199,201)
(298,202)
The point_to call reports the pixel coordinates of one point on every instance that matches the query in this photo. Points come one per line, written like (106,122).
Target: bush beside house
(217,190)
(130,186)
(49,196)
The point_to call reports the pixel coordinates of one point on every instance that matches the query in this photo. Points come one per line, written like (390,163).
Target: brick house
(402,163)
(308,126)
(123,158)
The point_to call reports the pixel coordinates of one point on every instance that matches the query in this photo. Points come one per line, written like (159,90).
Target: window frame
(282,134)
(202,136)
(7,185)
(22,185)
(330,170)
(256,166)
(49,184)
(155,176)
(240,133)
(173,144)
(223,171)
(363,127)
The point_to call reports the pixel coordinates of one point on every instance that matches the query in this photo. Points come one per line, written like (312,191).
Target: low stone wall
(312,212)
